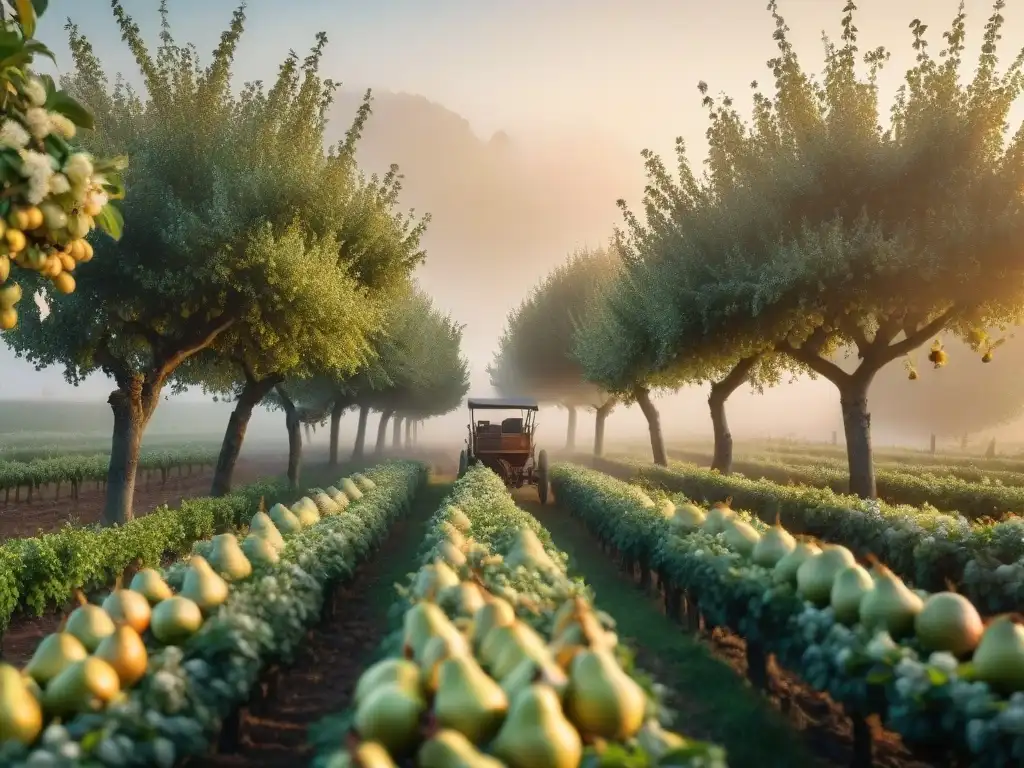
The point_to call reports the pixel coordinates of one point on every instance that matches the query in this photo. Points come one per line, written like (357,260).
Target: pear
(667,508)
(227,559)
(525,643)
(687,518)
(536,733)
(786,568)
(175,620)
(364,483)
(422,622)
(433,579)
(740,536)
(450,553)
(402,672)
(150,585)
(259,550)
(84,686)
(286,521)
(128,606)
(53,655)
(602,700)
(450,533)
(126,653)
(714,521)
(815,575)
(464,599)
(340,499)
(459,519)
(528,551)
(949,622)
(849,588)
(89,623)
(370,754)
(262,526)
(891,605)
(468,700)
(999,658)
(203,586)
(436,651)
(306,511)
(497,613)
(21,717)
(528,671)
(774,545)
(350,489)
(390,715)
(450,749)
(657,742)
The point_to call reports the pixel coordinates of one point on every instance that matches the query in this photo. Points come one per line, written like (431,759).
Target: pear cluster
(484,681)
(829,576)
(101,651)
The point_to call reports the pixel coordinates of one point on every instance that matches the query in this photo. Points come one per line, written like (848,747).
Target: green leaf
(37,48)
(40,6)
(26,16)
(63,104)
(110,221)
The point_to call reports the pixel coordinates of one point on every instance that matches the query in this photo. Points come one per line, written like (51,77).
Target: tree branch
(919,337)
(110,364)
(815,362)
(720,390)
(855,332)
(199,341)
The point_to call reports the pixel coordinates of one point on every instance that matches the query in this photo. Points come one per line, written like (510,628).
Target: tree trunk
(408,432)
(415,433)
(231,446)
(336,413)
(720,392)
(294,426)
(853,398)
(570,432)
(396,433)
(600,418)
(382,431)
(357,450)
(131,414)
(643,399)
(932,445)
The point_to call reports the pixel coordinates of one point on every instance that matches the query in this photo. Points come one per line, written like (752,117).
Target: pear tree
(820,228)
(215,178)
(617,349)
(534,354)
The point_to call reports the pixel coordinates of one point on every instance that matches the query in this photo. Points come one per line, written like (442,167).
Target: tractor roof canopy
(503,403)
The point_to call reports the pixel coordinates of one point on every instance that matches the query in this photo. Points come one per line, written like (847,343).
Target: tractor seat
(513,426)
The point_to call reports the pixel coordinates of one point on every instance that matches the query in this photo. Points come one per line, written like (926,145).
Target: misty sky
(620,74)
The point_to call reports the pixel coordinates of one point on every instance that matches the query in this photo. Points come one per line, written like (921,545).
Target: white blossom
(37,169)
(13,134)
(59,184)
(78,169)
(38,120)
(35,92)
(62,125)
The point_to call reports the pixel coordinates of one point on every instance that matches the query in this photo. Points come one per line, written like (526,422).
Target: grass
(711,701)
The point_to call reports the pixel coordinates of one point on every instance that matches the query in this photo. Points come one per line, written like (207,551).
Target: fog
(517,126)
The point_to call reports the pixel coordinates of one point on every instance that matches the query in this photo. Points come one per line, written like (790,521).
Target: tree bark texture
(603,411)
(396,432)
(720,392)
(415,433)
(294,426)
(231,446)
(360,444)
(570,432)
(643,399)
(382,431)
(336,414)
(408,432)
(853,399)
(132,407)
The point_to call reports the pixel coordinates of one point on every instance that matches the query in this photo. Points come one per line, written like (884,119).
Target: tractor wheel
(541,473)
(463,463)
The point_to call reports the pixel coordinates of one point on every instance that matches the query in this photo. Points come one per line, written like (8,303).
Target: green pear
(260,550)
(468,700)
(150,585)
(370,754)
(53,655)
(284,519)
(90,624)
(422,622)
(84,686)
(262,526)
(402,672)
(496,613)
(450,749)
(602,700)
(227,558)
(536,733)
(203,586)
(390,715)
(350,489)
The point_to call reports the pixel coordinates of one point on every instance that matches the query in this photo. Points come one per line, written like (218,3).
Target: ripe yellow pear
(602,700)
(128,606)
(468,700)
(56,652)
(126,653)
(536,734)
(21,716)
(85,686)
(150,585)
(227,558)
(89,623)
(203,586)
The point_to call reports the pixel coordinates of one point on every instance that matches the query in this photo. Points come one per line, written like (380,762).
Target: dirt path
(323,678)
